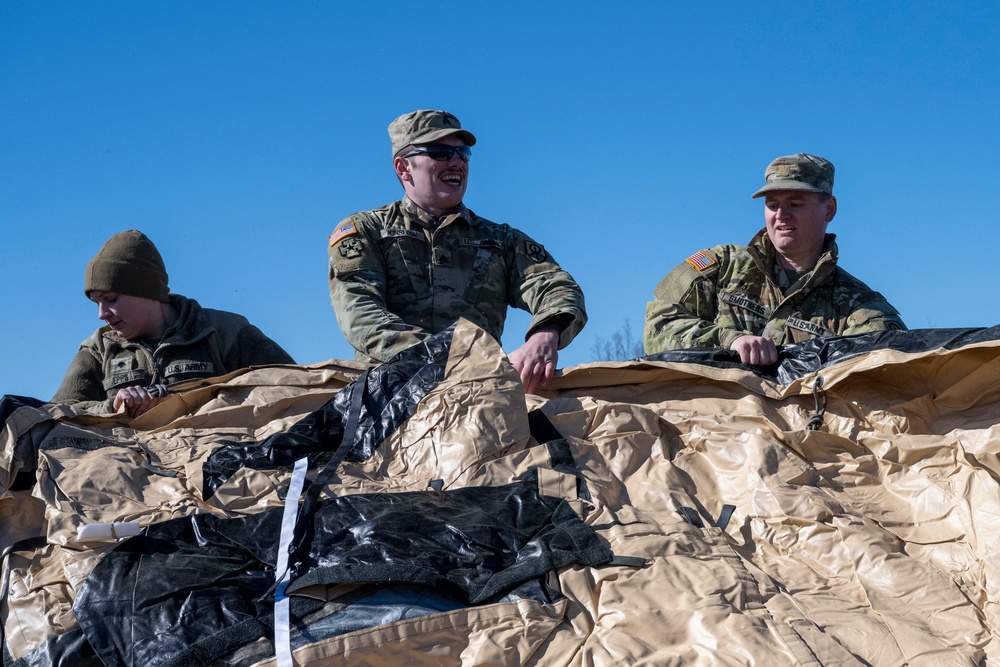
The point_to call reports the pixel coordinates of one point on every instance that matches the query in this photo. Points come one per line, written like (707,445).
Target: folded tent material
(870,540)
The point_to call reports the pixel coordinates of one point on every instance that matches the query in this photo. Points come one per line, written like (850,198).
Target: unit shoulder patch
(350,249)
(701,260)
(534,251)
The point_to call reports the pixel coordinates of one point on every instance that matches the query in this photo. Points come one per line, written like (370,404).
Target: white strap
(107,532)
(282,616)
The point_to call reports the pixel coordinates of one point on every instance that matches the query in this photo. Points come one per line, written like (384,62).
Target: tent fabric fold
(676,509)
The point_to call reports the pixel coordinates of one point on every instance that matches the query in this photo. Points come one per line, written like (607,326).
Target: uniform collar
(763,250)
(763,253)
(192,323)
(425,219)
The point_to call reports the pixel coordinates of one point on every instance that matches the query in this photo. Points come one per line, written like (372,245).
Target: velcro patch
(122,364)
(179,367)
(701,260)
(345,229)
(481,243)
(402,234)
(743,302)
(118,379)
(534,251)
(807,326)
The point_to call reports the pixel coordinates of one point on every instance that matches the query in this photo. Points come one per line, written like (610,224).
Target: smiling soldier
(151,337)
(403,272)
(784,287)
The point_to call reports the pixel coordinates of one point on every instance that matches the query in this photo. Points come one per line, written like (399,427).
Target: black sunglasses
(441,152)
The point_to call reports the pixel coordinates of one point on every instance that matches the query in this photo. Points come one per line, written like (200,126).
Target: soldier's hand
(136,400)
(536,360)
(755,350)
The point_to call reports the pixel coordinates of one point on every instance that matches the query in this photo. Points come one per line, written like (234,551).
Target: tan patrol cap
(801,171)
(425,126)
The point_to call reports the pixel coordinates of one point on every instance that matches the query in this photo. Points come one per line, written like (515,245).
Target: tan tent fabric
(872,540)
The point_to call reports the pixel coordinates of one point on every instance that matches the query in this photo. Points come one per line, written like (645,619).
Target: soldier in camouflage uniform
(784,287)
(405,271)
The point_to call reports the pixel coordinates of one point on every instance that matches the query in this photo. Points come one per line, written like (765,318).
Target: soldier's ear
(831,208)
(402,168)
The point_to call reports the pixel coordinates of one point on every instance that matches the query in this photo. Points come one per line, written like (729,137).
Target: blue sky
(622,136)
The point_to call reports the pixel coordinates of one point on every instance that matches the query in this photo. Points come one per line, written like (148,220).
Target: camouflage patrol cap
(801,171)
(424,126)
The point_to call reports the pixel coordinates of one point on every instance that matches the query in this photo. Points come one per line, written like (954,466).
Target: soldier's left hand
(536,360)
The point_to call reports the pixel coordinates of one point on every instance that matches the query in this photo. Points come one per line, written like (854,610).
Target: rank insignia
(345,229)
(121,364)
(701,260)
(350,248)
(534,251)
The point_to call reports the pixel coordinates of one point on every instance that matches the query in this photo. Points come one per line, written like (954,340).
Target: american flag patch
(345,229)
(700,260)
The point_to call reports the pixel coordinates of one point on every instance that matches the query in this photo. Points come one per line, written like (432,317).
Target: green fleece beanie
(128,263)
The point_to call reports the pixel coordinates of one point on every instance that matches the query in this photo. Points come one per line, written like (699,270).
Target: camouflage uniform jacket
(201,343)
(728,291)
(398,275)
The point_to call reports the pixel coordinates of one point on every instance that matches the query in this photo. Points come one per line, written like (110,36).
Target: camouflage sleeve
(357,291)
(683,311)
(83,384)
(875,313)
(540,286)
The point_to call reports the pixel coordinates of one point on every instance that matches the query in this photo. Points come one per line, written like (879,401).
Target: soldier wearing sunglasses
(403,272)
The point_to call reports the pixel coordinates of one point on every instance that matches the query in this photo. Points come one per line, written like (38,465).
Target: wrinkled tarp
(871,540)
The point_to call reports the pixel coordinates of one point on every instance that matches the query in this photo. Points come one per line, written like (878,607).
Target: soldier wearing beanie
(784,287)
(403,272)
(151,338)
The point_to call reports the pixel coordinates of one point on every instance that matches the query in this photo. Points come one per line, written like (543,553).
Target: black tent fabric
(800,359)
(390,395)
(195,589)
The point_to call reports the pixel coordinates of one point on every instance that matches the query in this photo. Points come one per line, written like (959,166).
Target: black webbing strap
(628,561)
(311,500)
(693,518)
(561,458)
(725,516)
(560,454)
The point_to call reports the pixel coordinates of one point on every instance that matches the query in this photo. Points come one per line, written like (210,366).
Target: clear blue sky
(623,136)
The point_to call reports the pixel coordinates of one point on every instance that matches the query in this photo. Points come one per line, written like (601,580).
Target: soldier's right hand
(755,350)
(536,360)
(136,400)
